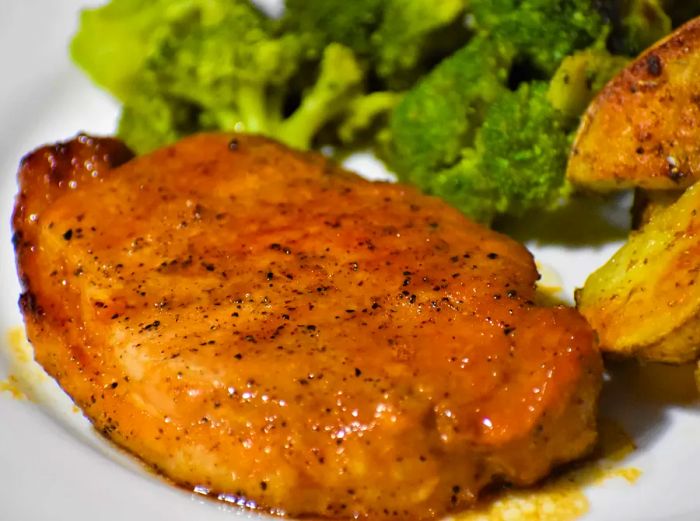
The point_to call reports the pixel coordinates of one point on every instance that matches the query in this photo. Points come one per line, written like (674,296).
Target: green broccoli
(394,38)
(337,86)
(543,32)
(217,65)
(513,161)
(114,41)
(236,85)
(179,66)
(523,147)
(363,112)
(151,119)
(320,22)
(480,130)
(521,134)
(431,124)
(412,34)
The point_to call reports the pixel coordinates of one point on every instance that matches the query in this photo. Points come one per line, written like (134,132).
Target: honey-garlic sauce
(562,497)
(24,375)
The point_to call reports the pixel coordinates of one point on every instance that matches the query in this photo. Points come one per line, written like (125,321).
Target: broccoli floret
(412,32)
(523,147)
(363,112)
(431,124)
(339,83)
(516,160)
(393,38)
(480,129)
(114,41)
(227,65)
(151,119)
(179,66)
(216,64)
(321,22)
(543,32)
(487,14)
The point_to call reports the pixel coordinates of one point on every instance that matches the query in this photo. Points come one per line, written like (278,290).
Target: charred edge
(654,66)
(674,173)
(119,155)
(28,304)
(114,151)
(16,239)
(57,159)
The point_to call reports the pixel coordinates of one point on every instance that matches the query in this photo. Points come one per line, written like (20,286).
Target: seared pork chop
(264,325)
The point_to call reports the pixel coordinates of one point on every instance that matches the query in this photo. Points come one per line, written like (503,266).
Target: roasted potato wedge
(645,301)
(643,129)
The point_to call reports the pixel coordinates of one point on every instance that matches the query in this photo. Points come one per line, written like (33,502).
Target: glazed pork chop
(263,325)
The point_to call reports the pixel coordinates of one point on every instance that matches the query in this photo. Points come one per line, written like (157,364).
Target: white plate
(52,465)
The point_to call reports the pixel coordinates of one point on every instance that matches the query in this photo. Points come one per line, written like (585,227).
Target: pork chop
(263,325)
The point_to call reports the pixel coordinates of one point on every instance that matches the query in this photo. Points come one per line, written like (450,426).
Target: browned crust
(643,128)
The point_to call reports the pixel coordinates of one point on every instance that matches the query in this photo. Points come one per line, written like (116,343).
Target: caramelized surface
(641,130)
(258,322)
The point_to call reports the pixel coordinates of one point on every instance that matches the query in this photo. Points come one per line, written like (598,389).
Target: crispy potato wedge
(648,202)
(645,301)
(643,129)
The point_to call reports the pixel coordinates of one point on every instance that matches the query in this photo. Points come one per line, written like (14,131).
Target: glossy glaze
(262,325)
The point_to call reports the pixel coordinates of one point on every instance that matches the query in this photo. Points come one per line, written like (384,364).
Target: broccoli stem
(338,83)
(364,110)
(298,129)
(253,109)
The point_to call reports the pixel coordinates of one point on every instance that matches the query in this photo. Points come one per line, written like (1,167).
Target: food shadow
(582,221)
(640,397)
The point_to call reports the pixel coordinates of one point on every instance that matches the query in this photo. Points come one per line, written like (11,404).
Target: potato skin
(648,202)
(643,128)
(645,301)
